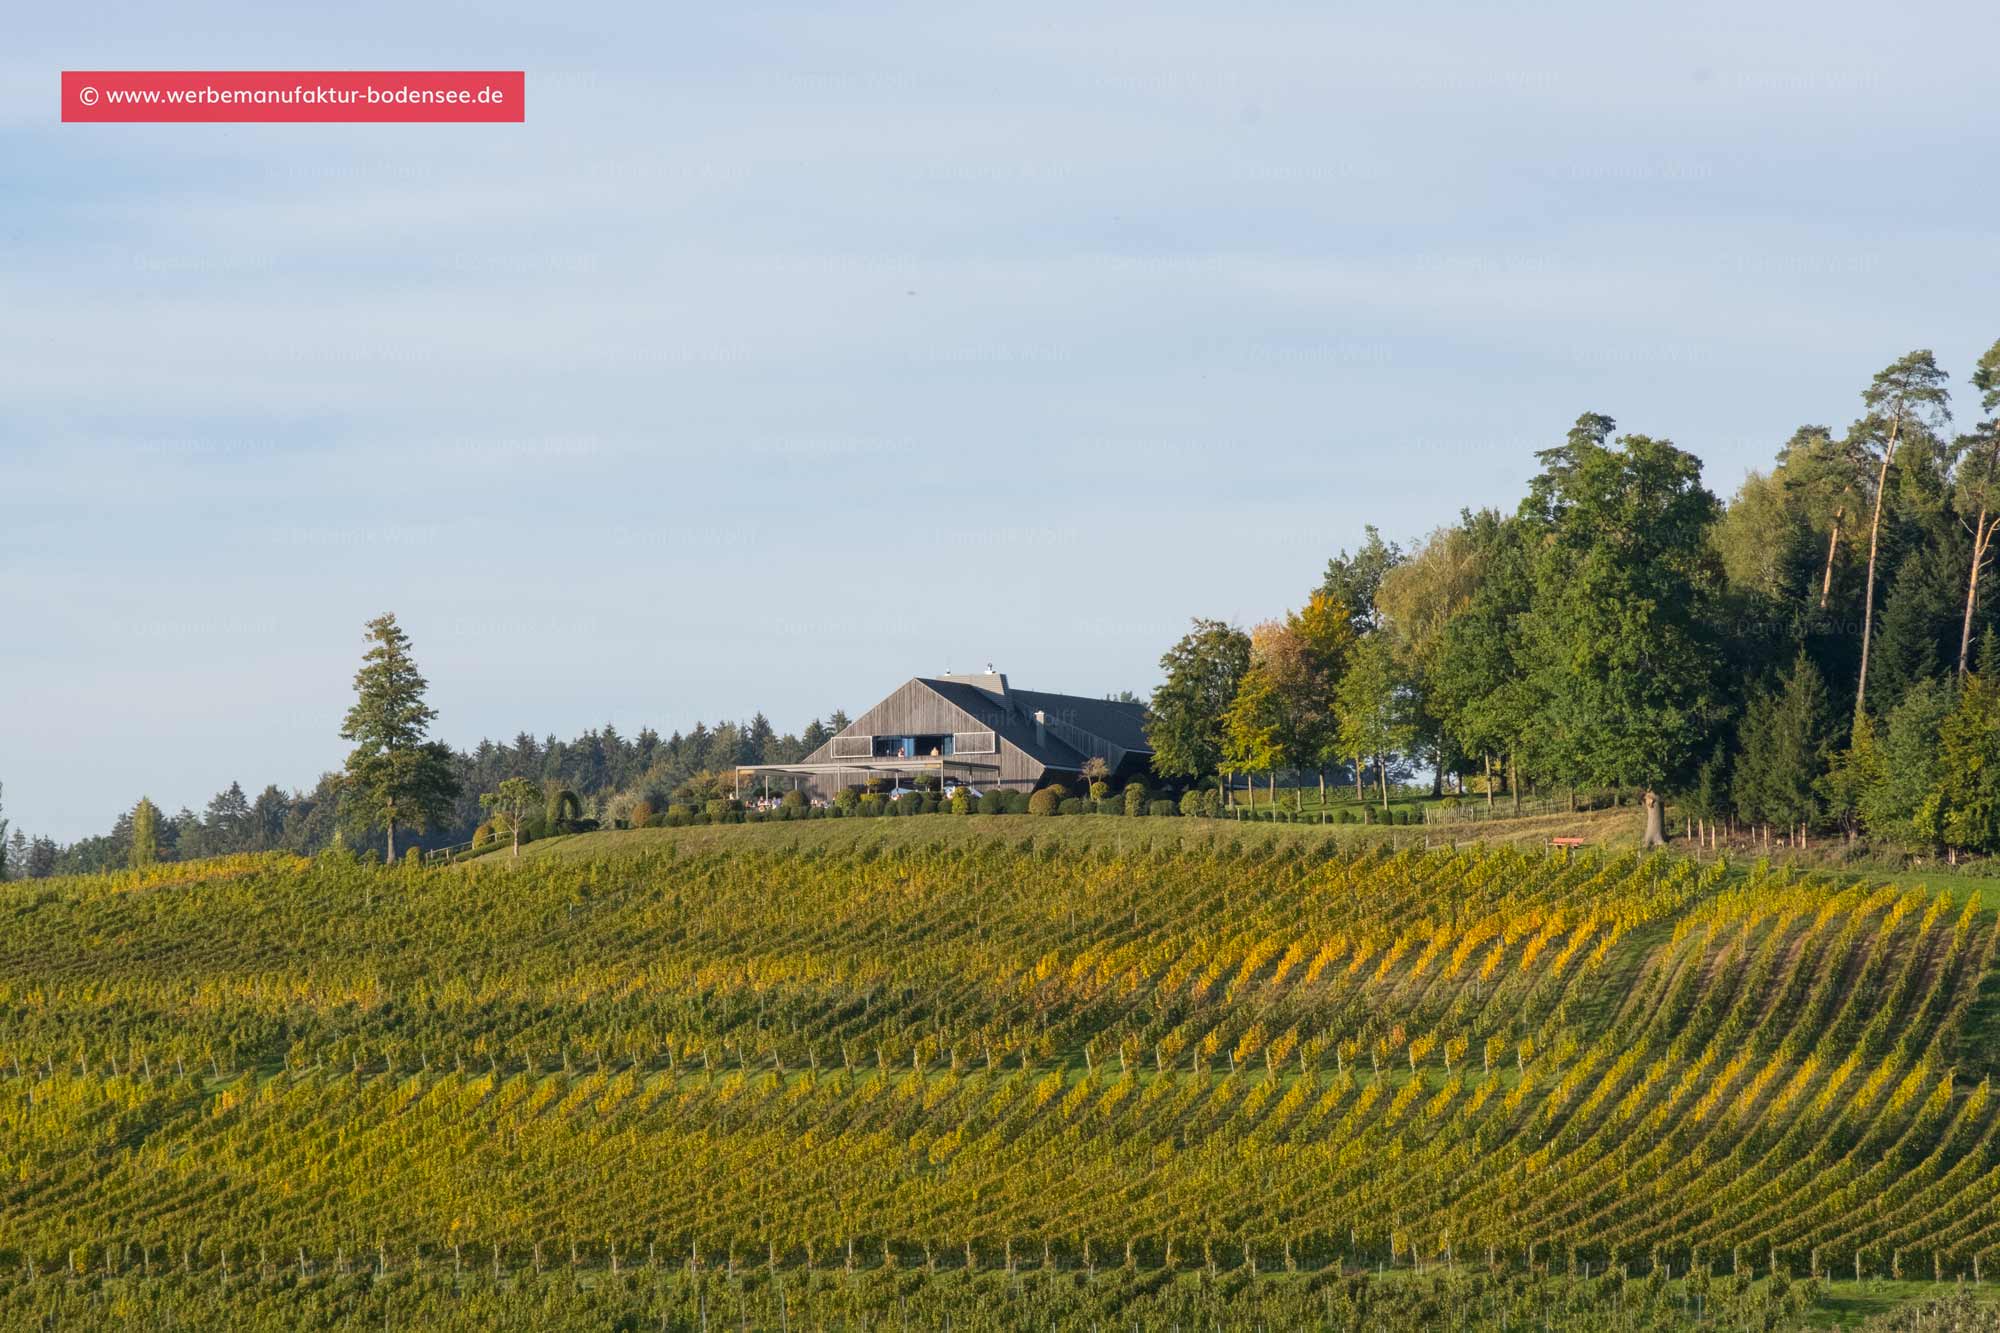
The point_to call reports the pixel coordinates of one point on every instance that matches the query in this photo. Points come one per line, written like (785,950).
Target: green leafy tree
(1251,728)
(1962,809)
(1373,707)
(1482,686)
(394,775)
(1894,777)
(1185,722)
(1416,603)
(1909,393)
(516,797)
(145,848)
(1624,578)
(1351,581)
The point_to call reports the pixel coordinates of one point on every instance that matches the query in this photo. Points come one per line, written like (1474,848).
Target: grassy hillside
(1020,1074)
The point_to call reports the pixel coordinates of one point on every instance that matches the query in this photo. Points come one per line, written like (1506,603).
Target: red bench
(1565,842)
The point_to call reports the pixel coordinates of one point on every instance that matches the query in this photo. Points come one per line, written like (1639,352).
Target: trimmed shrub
(910,803)
(1099,790)
(1162,807)
(1017,803)
(1073,805)
(1047,801)
(792,802)
(847,800)
(1136,798)
(482,837)
(993,803)
(961,801)
(1191,803)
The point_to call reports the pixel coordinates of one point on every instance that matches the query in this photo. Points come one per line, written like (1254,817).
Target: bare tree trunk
(1832,544)
(1359,764)
(1981,536)
(1489,786)
(1382,778)
(1874,541)
(1656,832)
(1514,780)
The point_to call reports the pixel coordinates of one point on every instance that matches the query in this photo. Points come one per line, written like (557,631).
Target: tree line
(1803,658)
(440,788)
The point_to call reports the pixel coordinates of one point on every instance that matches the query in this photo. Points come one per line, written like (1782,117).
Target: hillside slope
(1256,1054)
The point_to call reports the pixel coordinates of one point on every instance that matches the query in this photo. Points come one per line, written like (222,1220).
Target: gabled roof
(1074,727)
(1012,716)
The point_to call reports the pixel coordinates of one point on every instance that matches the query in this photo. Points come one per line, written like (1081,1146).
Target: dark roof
(1124,725)
(1012,717)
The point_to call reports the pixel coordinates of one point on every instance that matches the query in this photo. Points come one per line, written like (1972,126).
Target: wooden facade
(969,730)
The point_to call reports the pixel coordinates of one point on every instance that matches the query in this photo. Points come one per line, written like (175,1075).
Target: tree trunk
(392,835)
(1874,540)
(1832,544)
(1382,778)
(1981,535)
(1656,832)
(1359,764)
(1322,789)
(1489,786)
(1514,780)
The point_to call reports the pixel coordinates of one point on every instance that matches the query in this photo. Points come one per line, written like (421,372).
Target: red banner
(294,95)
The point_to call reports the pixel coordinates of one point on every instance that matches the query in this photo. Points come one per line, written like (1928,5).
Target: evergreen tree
(394,774)
(1785,737)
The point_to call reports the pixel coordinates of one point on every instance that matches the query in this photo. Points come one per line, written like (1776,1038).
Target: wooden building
(974,731)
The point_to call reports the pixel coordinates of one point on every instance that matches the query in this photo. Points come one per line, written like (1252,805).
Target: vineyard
(1008,1081)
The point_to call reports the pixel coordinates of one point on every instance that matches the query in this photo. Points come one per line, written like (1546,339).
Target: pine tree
(394,775)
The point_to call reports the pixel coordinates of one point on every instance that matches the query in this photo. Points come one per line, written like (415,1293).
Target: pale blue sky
(784,353)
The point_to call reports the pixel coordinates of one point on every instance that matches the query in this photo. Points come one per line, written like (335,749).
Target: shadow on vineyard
(1180,1078)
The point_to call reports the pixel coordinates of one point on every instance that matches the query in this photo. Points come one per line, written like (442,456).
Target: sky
(786,352)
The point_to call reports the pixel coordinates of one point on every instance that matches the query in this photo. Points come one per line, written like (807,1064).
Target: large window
(914,747)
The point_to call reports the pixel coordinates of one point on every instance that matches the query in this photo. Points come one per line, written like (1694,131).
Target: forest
(1812,657)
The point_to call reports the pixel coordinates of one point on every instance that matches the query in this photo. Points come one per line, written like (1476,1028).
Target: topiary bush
(1074,805)
(1191,803)
(847,800)
(993,803)
(792,802)
(1099,790)
(1162,807)
(1047,801)
(961,801)
(1017,803)
(1136,798)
